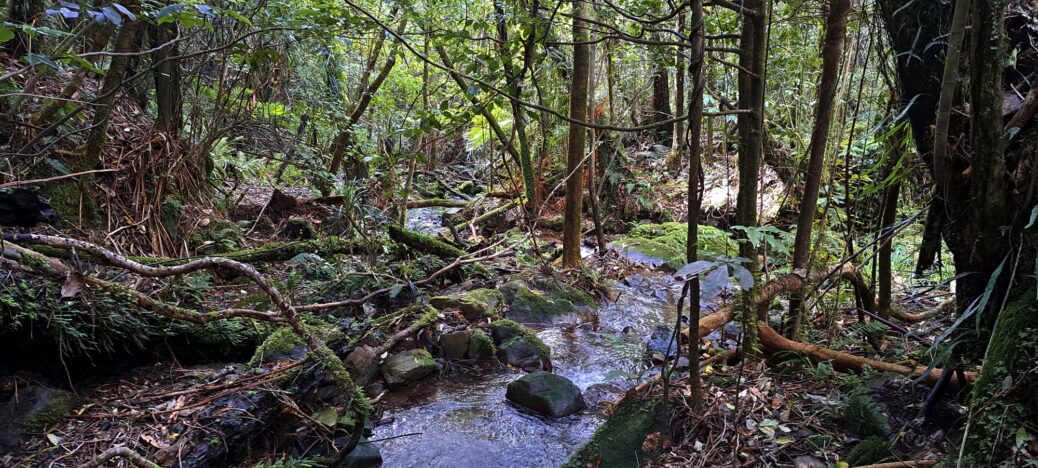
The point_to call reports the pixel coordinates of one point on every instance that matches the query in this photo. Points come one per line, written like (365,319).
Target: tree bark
(832,54)
(113,81)
(578,96)
(695,193)
(168,97)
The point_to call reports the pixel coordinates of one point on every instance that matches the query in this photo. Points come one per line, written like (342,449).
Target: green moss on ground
(861,416)
(50,414)
(871,450)
(619,441)
(667,241)
(217,237)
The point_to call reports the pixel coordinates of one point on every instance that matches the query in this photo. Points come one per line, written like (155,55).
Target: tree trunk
(661,97)
(514,79)
(832,54)
(695,193)
(753,40)
(167,79)
(109,90)
(578,95)
(679,97)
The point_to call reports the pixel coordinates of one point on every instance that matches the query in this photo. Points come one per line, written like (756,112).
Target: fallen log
(423,243)
(488,215)
(441,202)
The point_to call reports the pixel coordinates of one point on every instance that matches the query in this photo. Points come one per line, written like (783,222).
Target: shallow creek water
(473,425)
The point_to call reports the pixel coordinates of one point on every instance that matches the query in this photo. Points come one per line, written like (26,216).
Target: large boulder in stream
(407,366)
(546,302)
(546,393)
(664,243)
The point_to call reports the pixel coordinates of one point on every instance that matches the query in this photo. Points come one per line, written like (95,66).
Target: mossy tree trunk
(572,228)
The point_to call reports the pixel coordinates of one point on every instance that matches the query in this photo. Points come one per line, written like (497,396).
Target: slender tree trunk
(344,140)
(751,98)
(109,90)
(514,80)
(832,54)
(930,246)
(578,96)
(167,79)
(886,248)
(695,193)
(679,97)
(661,96)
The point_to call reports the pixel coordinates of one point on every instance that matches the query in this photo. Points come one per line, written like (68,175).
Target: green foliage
(219,236)
(860,415)
(872,450)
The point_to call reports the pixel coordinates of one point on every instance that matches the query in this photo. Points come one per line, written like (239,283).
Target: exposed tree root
(903,464)
(357,402)
(773,342)
(120,452)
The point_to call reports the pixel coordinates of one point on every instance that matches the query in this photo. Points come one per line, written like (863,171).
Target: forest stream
(472,424)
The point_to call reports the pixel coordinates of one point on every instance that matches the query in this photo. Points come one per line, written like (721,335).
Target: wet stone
(364,455)
(407,366)
(546,393)
(522,352)
(662,342)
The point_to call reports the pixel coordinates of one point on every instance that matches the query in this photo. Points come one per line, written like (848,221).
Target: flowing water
(472,424)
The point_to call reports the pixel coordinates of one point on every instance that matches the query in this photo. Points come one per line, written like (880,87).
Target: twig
(19,183)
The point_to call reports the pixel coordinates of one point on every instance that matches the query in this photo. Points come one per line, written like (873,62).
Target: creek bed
(471,423)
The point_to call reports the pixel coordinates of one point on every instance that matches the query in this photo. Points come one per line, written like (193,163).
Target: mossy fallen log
(273,251)
(488,215)
(441,202)
(621,441)
(423,243)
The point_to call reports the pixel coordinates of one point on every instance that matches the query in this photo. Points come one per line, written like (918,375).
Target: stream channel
(471,424)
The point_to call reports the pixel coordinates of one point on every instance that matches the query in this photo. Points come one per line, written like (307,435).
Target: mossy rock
(666,243)
(525,352)
(862,416)
(74,201)
(34,410)
(481,346)
(474,305)
(549,303)
(869,451)
(407,366)
(621,440)
(546,393)
(284,341)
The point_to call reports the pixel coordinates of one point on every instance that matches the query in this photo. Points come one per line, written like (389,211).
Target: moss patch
(219,236)
(861,416)
(531,340)
(871,450)
(481,346)
(52,412)
(619,442)
(667,241)
(549,301)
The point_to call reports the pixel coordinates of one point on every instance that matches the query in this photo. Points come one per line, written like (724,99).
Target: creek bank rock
(546,393)
(467,344)
(474,305)
(664,243)
(519,347)
(31,411)
(408,366)
(662,342)
(364,455)
(545,301)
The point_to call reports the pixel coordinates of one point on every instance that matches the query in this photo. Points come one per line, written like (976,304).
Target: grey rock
(546,393)
(407,366)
